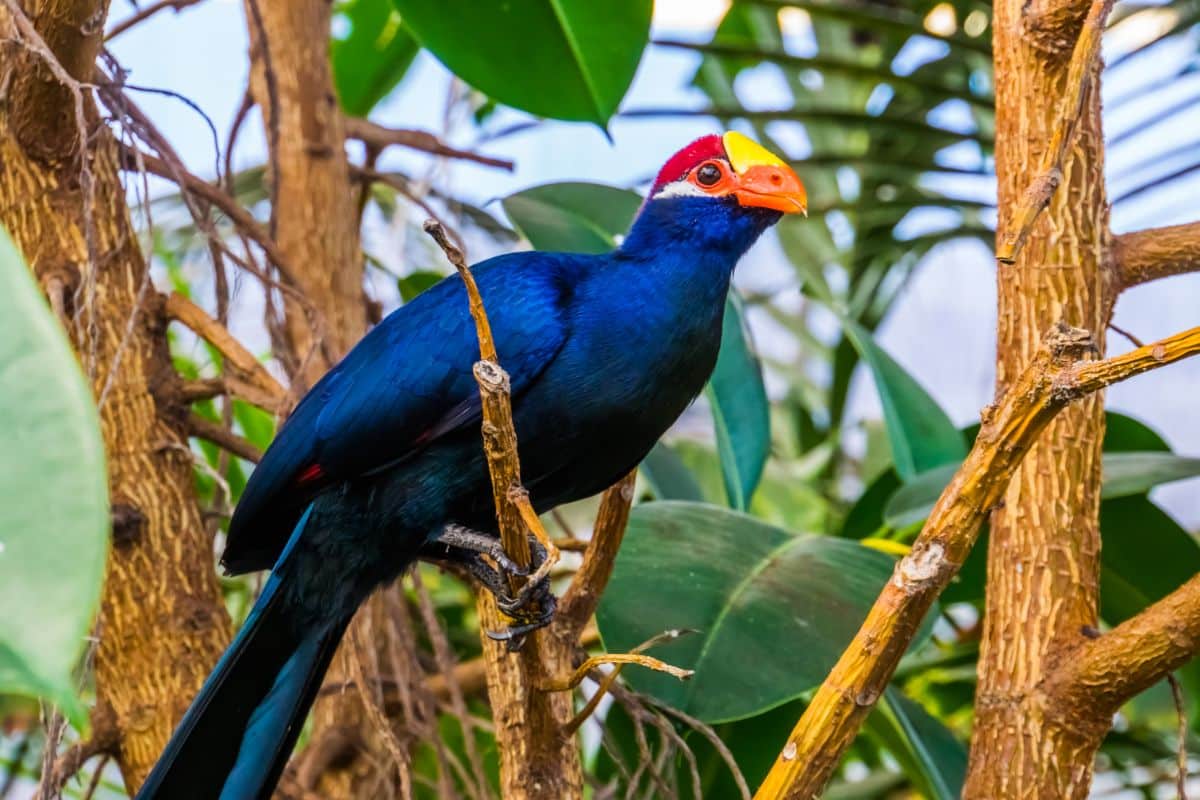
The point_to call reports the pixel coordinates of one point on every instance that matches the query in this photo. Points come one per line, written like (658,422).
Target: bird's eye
(708,174)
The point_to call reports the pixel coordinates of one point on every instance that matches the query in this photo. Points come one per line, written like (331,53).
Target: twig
(145,13)
(239,216)
(379,137)
(1181,731)
(1049,175)
(271,111)
(581,672)
(1136,342)
(223,437)
(606,683)
(831,721)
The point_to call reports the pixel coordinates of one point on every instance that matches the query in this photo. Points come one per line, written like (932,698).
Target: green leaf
(928,752)
(774,610)
(53,496)
(564,59)
(372,57)
(668,476)
(414,283)
(921,435)
(1125,474)
(1145,556)
(741,415)
(572,217)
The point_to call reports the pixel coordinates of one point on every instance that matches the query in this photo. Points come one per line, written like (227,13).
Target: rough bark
(314,223)
(314,217)
(1154,253)
(1043,560)
(162,622)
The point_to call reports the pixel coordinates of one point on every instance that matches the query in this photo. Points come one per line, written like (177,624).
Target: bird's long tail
(239,731)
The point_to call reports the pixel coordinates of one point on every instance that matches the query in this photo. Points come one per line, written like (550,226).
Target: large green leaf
(773,610)
(53,496)
(1125,474)
(928,752)
(565,59)
(572,217)
(371,57)
(741,415)
(921,434)
(668,476)
(1145,556)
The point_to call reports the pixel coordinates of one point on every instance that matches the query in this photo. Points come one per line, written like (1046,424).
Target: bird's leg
(474,565)
(464,547)
(456,537)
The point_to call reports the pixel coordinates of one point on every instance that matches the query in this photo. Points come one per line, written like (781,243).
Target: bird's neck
(708,228)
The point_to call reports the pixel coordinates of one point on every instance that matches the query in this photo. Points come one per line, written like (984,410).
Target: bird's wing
(408,382)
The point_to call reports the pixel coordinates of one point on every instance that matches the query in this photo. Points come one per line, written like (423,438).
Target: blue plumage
(604,352)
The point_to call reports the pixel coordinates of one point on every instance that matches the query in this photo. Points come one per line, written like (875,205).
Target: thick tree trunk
(162,622)
(315,223)
(1043,559)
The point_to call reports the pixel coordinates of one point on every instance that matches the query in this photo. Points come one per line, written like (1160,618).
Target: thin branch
(142,14)
(379,137)
(239,216)
(1148,255)
(259,386)
(580,600)
(1181,734)
(590,664)
(1050,173)
(815,747)
(222,437)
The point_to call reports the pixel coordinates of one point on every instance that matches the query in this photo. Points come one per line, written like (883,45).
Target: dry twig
(378,137)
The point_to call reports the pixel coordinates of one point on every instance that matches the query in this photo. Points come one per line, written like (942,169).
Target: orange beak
(772,186)
(762,179)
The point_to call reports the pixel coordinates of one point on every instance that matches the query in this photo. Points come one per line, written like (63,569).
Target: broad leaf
(1145,556)
(741,416)
(53,496)
(773,610)
(564,59)
(572,217)
(921,434)
(928,752)
(669,478)
(371,57)
(1125,474)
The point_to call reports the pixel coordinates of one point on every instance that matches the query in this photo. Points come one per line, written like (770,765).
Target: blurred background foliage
(765,523)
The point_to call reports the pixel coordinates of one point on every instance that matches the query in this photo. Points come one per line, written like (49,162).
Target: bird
(382,463)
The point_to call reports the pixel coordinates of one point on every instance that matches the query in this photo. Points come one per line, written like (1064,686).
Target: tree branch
(580,600)
(259,386)
(222,437)
(1049,175)
(379,137)
(1148,255)
(145,13)
(537,759)
(831,721)
(1097,677)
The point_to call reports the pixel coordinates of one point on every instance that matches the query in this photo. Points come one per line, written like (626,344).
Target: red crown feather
(681,163)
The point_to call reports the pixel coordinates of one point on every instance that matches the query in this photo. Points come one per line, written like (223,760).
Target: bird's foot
(531,607)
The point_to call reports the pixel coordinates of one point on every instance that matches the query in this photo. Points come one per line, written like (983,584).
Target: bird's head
(724,189)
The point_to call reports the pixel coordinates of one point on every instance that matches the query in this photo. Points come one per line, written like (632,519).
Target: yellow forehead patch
(744,153)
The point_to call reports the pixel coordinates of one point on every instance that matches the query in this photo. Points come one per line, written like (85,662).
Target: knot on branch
(1068,344)
(491,376)
(921,567)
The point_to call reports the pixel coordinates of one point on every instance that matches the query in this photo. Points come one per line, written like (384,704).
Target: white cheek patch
(682,188)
